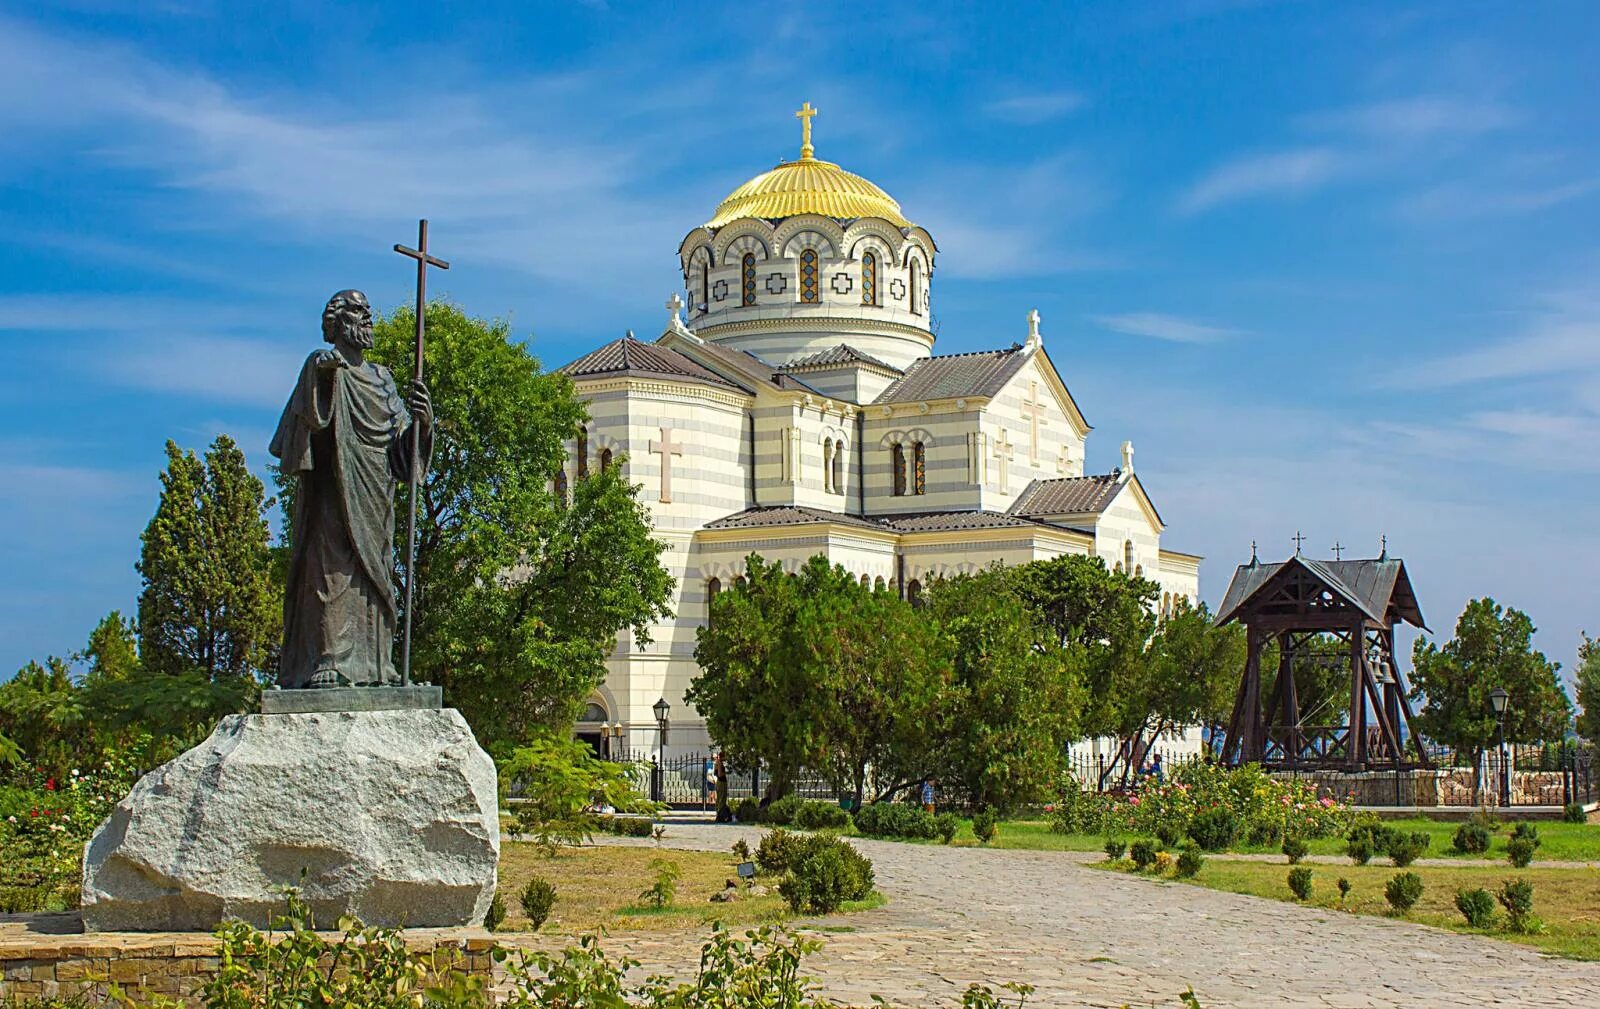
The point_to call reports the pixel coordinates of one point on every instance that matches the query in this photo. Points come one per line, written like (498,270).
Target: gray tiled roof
(629,356)
(785,515)
(838,356)
(1370,585)
(921,522)
(747,370)
(955,375)
(1078,495)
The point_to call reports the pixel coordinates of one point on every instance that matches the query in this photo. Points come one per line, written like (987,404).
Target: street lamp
(1500,700)
(662,710)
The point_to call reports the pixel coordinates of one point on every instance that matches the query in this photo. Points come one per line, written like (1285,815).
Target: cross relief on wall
(1033,409)
(1002,455)
(666,448)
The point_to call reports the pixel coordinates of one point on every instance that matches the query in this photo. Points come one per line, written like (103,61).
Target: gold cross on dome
(804,115)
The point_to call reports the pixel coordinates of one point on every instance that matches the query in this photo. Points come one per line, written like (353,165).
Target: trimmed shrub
(1115,848)
(1403,891)
(826,873)
(1359,849)
(1376,834)
(1214,829)
(1300,882)
(777,851)
(1190,861)
(891,819)
(1295,849)
(815,814)
(626,826)
(1405,848)
(1516,896)
(985,825)
(1143,852)
(537,898)
(1477,906)
(947,824)
(1520,851)
(782,811)
(1471,839)
(741,848)
(1344,889)
(747,810)
(1526,830)
(496,915)
(1573,812)
(1169,833)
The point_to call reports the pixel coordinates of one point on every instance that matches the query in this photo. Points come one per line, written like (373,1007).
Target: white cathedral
(799,409)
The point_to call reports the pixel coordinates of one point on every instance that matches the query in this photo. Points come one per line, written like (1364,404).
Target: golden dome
(807,186)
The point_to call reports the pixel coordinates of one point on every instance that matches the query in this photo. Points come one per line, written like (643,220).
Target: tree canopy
(1492,647)
(520,596)
(1587,681)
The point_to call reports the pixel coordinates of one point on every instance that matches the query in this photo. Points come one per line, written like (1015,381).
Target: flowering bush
(44,824)
(1264,809)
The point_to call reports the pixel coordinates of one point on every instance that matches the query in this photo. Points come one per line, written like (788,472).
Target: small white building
(797,408)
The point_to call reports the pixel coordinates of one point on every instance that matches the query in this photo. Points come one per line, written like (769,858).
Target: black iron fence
(688,780)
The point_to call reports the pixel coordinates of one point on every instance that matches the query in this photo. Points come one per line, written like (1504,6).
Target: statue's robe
(346,436)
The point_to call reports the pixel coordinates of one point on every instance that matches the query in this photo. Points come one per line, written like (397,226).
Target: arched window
(869,278)
(705,286)
(827,467)
(561,487)
(713,586)
(866,581)
(1127,556)
(808,277)
(914,593)
(916,287)
(838,466)
(605,459)
(897,462)
(747,276)
(593,712)
(919,468)
(738,580)
(583,452)
(1138,571)
(877,584)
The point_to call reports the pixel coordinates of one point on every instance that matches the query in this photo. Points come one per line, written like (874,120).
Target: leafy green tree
(42,717)
(1492,647)
(1587,680)
(1015,691)
(1192,672)
(877,675)
(1109,617)
(208,603)
(520,598)
(112,653)
(751,690)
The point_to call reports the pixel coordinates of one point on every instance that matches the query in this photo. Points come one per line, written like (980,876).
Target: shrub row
(820,872)
(627,826)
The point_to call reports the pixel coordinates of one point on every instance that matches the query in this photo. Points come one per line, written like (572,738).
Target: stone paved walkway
(1085,937)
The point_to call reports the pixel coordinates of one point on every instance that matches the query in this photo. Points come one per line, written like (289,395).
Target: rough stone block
(391,816)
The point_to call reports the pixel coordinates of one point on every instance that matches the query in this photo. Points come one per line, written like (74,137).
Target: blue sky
(1331,269)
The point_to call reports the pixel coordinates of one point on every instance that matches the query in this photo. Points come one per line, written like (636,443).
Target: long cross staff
(420,254)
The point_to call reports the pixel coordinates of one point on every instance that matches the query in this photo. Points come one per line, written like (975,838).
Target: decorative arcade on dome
(792,406)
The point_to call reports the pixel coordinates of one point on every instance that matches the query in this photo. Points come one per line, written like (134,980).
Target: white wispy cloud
(1559,346)
(1160,326)
(206,367)
(1033,109)
(1422,117)
(1270,173)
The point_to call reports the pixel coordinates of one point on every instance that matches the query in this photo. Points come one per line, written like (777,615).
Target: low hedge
(896,819)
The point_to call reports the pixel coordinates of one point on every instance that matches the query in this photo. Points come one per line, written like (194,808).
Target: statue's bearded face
(348,319)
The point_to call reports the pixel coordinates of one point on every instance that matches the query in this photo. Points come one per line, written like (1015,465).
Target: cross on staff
(420,254)
(1338,551)
(1299,541)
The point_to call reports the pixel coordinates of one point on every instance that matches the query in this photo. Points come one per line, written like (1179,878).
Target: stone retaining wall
(39,958)
(1446,787)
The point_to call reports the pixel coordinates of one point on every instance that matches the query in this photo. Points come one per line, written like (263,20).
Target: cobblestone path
(1085,937)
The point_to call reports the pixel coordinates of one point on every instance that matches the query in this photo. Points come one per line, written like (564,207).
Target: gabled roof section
(1076,495)
(631,357)
(957,375)
(1380,588)
(841,356)
(766,516)
(740,367)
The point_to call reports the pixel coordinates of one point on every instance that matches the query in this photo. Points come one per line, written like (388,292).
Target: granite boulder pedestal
(389,813)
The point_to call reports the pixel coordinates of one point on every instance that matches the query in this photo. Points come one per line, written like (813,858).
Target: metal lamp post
(662,709)
(1499,699)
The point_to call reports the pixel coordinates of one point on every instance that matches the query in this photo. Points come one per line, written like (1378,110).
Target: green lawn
(1567,900)
(1561,842)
